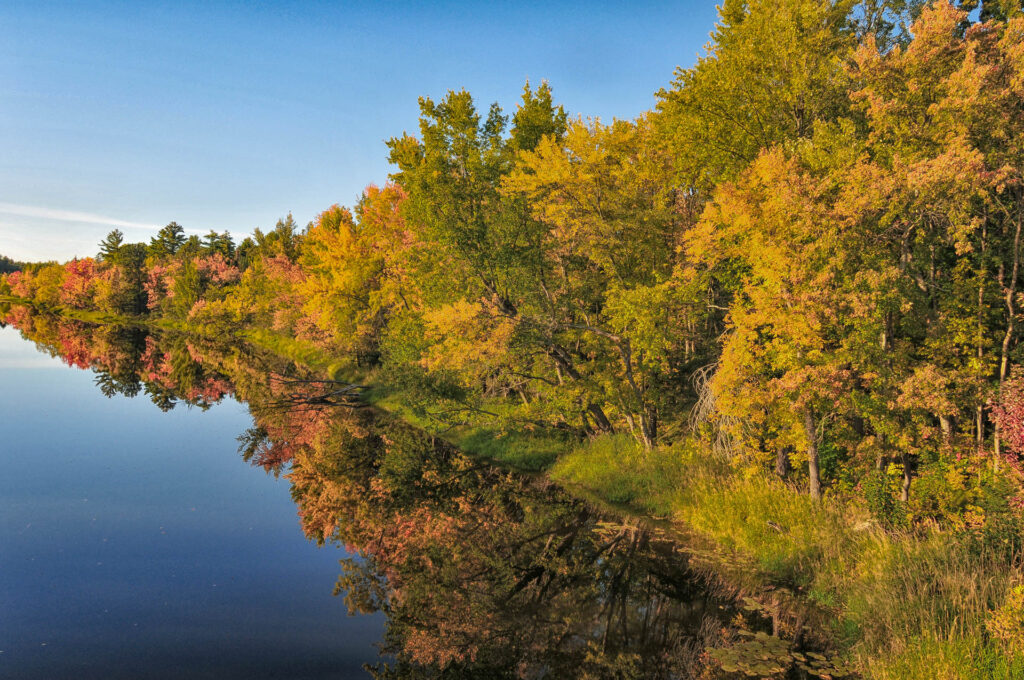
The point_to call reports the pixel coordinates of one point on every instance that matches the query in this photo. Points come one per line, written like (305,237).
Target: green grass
(907,606)
(957,658)
(89,316)
(617,470)
(522,450)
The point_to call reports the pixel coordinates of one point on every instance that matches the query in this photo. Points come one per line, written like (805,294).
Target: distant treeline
(8,265)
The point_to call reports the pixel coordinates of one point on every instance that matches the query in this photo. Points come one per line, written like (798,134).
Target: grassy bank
(900,605)
(903,604)
(282,345)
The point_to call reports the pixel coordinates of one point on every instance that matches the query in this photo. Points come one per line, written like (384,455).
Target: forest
(8,265)
(783,308)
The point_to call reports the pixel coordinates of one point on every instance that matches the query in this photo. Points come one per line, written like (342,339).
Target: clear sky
(228,115)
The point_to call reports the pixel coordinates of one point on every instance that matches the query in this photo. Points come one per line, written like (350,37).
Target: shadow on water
(480,571)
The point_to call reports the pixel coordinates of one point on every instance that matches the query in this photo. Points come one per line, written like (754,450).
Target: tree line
(8,265)
(806,256)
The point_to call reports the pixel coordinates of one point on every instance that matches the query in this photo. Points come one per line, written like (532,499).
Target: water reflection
(481,572)
(489,574)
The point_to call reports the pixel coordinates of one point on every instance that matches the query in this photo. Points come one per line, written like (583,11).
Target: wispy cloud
(72,216)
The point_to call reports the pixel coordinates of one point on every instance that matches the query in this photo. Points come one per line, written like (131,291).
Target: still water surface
(135,543)
(172,507)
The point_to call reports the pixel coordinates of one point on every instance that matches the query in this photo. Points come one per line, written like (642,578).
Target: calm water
(175,508)
(135,543)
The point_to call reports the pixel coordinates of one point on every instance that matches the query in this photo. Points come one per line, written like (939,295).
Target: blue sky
(228,115)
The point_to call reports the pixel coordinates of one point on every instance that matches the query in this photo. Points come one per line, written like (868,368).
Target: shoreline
(822,569)
(734,573)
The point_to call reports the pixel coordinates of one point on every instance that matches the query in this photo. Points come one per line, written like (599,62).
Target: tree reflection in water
(488,573)
(482,572)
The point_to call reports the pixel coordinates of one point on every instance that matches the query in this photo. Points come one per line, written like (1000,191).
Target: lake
(175,507)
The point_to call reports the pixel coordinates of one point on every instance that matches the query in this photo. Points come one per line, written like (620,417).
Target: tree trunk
(946,423)
(905,489)
(782,462)
(979,425)
(563,362)
(812,454)
(979,414)
(649,428)
(600,419)
(1009,296)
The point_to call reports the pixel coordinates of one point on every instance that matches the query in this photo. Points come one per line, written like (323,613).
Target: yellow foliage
(463,336)
(1006,623)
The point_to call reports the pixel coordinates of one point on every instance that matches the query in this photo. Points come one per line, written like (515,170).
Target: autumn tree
(773,68)
(79,286)
(356,273)
(943,126)
(606,236)
(877,275)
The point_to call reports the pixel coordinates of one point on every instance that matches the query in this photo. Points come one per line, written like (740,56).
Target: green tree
(606,233)
(187,288)
(110,246)
(536,117)
(482,261)
(1000,10)
(772,69)
(8,265)
(167,242)
(219,243)
(122,284)
(285,239)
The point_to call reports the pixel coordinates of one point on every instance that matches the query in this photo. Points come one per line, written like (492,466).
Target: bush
(1006,624)
(880,493)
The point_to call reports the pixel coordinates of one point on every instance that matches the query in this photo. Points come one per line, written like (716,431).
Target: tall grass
(904,606)
(968,657)
(907,586)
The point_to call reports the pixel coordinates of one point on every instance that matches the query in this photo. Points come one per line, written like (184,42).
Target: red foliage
(1008,415)
(211,391)
(156,363)
(281,269)
(20,283)
(75,347)
(215,269)
(79,284)
(21,318)
(156,284)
